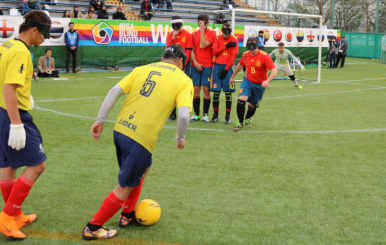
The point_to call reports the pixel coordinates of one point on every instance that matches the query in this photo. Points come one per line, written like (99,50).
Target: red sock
(6,188)
(18,194)
(132,200)
(110,206)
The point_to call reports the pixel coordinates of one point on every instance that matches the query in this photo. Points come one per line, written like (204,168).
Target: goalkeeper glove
(17,137)
(302,68)
(223,74)
(231,44)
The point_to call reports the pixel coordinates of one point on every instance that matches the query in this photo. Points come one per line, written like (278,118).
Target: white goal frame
(233,12)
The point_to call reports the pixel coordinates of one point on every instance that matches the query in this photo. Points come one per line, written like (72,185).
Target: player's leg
(287,70)
(254,102)
(128,214)
(228,89)
(7,179)
(244,94)
(134,161)
(343,60)
(337,60)
(215,87)
(68,54)
(196,78)
(206,80)
(74,54)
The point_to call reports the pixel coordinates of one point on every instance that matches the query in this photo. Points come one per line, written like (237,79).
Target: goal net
(301,34)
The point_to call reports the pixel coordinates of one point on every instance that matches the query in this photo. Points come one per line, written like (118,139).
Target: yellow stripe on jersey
(16,68)
(154,90)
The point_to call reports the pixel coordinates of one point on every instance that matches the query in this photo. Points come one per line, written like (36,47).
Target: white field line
(224,130)
(84,98)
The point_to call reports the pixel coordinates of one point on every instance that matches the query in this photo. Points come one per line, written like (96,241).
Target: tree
(347,15)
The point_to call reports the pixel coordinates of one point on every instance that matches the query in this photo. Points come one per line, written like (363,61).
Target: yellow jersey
(16,68)
(154,90)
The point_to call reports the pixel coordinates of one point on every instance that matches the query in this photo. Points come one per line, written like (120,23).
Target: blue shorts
(32,154)
(188,68)
(218,83)
(202,78)
(254,92)
(133,160)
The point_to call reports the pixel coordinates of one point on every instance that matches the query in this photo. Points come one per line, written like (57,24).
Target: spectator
(71,38)
(119,15)
(146,10)
(46,65)
(220,18)
(34,4)
(76,13)
(66,14)
(102,13)
(333,52)
(91,15)
(97,4)
(168,4)
(91,8)
(1,12)
(156,2)
(229,2)
(342,52)
(261,40)
(24,8)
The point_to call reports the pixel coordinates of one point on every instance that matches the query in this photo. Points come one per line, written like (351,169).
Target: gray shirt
(343,45)
(334,46)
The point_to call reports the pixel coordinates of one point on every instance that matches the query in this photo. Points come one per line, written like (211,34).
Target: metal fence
(364,45)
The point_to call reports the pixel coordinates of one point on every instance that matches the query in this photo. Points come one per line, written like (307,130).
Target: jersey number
(232,86)
(149,85)
(225,52)
(253,70)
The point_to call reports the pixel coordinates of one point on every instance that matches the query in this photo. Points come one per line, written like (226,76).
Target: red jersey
(184,39)
(219,44)
(257,66)
(204,56)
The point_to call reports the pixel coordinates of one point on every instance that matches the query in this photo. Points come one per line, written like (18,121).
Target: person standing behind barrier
(146,10)
(342,52)
(71,39)
(261,40)
(119,15)
(75,13)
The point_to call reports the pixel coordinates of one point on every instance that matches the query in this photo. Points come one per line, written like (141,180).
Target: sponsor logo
(6,29)
(102,33)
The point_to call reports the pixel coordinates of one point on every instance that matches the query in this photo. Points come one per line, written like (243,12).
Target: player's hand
(232,81)
(302,68)
(231,44)
(96,130)
(181,146)
(202,25)
(198,67)
(17,136)
(265,84)
(175,34)
(223,74)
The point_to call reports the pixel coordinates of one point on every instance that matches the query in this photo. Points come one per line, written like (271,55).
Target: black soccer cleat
(214,119)
(227,120)
(126,218)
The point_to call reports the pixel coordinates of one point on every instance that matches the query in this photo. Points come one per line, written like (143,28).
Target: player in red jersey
(183,38)
(202,58)
(225,49)
(255,81)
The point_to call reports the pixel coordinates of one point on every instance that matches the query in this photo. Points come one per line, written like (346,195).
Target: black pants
(54,73)
(69,53)
(147,16)
(338,59)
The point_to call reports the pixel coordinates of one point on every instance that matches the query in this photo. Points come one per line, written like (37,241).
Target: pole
(233,21)
(268,4)
(376,21)
(294,12)
(320,49)
(332,14)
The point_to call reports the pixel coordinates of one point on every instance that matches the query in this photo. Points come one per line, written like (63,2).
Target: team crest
(183,39)
(21,69)
(258,63)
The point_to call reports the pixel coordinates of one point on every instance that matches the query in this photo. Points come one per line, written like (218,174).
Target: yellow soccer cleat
(9,228)
(298,86)
(24,220)
(102,233)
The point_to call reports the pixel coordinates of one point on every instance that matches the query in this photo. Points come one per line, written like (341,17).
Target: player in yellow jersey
(20,139)
(142,117)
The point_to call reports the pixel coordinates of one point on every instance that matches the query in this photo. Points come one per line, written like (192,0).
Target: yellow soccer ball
(148,212)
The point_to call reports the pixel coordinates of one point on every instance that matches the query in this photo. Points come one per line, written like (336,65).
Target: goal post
(237,15)
(383,50)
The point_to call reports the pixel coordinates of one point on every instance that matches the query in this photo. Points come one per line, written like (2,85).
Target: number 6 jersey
(153,92)
(257,66)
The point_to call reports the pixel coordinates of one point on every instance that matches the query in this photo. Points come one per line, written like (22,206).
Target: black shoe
(172,118)
(214,119)
(126,218)
(227,120)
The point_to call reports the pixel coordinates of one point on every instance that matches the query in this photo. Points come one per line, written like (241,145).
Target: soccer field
(310,170)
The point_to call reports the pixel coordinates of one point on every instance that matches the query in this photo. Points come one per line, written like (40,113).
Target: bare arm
(271,76)
(10,99)
(237,70)
(204,43)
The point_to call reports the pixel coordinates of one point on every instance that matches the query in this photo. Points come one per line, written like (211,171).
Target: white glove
(17,137)
(302,68)
(32,101)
